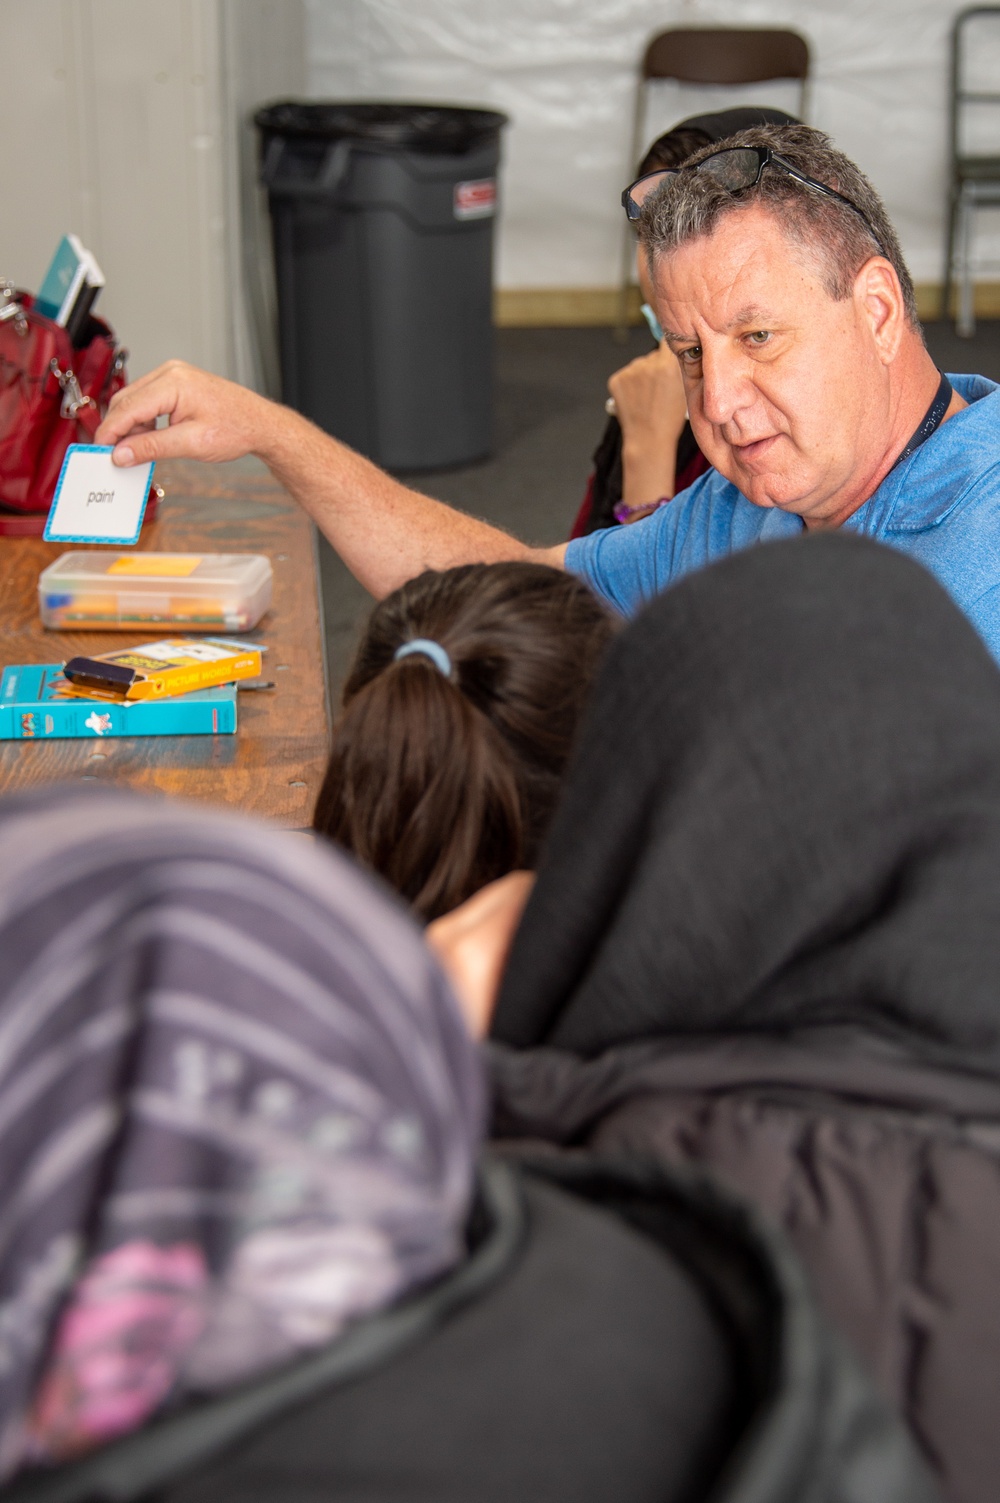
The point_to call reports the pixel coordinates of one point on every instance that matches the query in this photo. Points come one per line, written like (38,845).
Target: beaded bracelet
(623,513)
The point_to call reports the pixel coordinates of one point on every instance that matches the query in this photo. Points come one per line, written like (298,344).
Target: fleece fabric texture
(764,940)
(784,812)
(593,1371)
(883,1174)
(646,1338)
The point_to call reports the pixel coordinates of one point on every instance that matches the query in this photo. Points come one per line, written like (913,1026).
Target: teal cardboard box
(31,708)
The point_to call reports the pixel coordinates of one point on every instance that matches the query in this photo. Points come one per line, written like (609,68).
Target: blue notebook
(31,708)
(63,280)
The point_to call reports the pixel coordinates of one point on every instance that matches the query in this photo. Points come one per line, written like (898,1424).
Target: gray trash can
(382,218)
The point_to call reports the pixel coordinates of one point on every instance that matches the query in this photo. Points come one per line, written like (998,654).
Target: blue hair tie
(427,649)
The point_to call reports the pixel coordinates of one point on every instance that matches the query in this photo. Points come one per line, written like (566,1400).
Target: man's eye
(690,356)
(759,337)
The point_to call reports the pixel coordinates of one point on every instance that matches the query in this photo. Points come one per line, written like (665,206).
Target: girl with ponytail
(457,721)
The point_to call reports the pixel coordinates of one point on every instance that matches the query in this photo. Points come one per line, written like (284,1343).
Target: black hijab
(784,812)
(721,124)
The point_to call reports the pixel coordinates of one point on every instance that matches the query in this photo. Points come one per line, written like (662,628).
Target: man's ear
(879,300)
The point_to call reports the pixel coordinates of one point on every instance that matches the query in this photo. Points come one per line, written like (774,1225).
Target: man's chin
(769,486)
(774,492)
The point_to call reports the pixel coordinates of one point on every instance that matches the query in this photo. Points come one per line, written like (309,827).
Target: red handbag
(51,396)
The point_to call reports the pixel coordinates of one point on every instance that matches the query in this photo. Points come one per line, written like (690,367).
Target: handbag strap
(76,405)
(11,309)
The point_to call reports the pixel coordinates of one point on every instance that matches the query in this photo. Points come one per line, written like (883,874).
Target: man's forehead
(752,316)
(745,273)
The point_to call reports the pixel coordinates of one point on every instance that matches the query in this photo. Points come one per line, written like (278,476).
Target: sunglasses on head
(735,169)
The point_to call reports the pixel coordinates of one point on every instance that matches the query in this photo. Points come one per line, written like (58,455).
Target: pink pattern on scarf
(133,1316)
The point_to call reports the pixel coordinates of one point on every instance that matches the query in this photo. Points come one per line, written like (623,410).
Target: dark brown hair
(443,783)
(673,148)
(698,131)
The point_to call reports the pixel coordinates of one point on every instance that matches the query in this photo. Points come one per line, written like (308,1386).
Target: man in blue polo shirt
(781,287)
(808,383)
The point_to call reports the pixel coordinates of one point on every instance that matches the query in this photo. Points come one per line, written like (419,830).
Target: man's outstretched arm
(384,532)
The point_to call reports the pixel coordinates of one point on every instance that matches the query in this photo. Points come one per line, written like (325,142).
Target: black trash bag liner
(432,128)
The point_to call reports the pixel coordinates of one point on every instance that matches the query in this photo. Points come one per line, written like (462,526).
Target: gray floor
(549,414)
(550,391)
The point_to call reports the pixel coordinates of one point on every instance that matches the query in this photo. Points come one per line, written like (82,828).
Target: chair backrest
(709,55)
(726,55)
(972,71)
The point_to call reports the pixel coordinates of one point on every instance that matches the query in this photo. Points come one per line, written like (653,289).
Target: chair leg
(949,254)
(628,238)
(624,284)
(965,323)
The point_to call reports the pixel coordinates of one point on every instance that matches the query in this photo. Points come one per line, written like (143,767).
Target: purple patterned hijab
(238,1108)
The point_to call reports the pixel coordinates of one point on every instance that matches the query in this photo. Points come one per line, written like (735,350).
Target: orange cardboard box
(158,670)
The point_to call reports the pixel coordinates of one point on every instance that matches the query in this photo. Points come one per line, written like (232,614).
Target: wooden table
(274,764)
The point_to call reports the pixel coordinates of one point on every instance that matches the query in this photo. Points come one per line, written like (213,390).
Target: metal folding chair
(709,55)
(973,177)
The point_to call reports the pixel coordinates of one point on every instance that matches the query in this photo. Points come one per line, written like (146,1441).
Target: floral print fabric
(238,1108)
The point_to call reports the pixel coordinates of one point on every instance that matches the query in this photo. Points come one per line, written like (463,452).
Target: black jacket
(884,1174)
(643,1337)
(766,936)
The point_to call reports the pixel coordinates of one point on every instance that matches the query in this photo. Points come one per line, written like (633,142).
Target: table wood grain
(274,764)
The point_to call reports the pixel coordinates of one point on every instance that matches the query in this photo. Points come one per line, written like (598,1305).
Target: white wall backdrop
(126,122)
(564,71)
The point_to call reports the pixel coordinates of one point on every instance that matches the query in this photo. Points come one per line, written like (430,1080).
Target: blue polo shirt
(941,506)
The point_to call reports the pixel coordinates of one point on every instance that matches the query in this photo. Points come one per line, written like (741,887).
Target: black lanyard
(933,418)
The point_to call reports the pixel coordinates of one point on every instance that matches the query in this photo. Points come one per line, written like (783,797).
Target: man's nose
(726,386)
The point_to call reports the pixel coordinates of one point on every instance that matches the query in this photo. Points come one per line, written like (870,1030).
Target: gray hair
(692,204)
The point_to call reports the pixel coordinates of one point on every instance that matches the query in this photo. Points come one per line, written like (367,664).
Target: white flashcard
(97,501)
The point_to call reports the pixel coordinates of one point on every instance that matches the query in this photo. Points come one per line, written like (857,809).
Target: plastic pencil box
(195,591)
